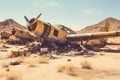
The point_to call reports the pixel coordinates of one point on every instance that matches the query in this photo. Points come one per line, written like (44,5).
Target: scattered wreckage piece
(5,35)
(85,51)
(16,53)
(17,36)
(15,63)
(20,37)
(13,40)
(22,34)
(34,47)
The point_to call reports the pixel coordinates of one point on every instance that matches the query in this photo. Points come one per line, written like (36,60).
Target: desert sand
(101,66)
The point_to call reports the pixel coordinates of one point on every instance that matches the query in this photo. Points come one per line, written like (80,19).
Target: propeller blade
(26,19)
(37,18)
(38,15)
(31,24)
(28,23)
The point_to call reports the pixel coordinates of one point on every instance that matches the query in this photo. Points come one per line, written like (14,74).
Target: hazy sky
(76,14)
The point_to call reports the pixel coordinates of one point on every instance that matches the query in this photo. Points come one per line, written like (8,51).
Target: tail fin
(107,27)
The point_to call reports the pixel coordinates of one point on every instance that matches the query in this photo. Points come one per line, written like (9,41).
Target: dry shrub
(44,59)
(13,76)
(9,55)
(102,53)
(61,68)
(70,69)
(32,62)
(86,65)
(13,54)
(18,53)
(21,59)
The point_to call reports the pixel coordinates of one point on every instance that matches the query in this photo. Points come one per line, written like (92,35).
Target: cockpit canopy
(66,29)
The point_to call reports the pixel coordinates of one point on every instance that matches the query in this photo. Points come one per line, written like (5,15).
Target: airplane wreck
(44,38)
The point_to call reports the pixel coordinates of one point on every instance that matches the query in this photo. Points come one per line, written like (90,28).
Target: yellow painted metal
(61,34)
(23,34)
(39,27)
(89,36)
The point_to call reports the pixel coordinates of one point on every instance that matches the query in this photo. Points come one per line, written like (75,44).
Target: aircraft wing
(89,36)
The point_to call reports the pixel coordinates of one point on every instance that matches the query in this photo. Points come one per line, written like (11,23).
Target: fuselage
(48,32)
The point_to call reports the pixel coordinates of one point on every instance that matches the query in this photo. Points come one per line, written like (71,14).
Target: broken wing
(89,36)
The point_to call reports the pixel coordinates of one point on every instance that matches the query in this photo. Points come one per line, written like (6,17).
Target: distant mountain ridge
(114,26)
(9,24)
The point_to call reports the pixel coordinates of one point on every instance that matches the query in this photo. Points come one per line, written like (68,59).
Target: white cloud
(45,4)
(92,12)
(53,4)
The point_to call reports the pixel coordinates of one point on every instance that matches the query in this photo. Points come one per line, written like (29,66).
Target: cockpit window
(62,27)
(55,33)
(66,29)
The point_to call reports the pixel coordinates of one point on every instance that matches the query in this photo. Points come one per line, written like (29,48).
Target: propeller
(26,19)
(30,24)
(36,18)
(38,15)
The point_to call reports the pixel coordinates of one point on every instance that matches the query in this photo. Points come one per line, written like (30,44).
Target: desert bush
(85,64)
(102,53)
(61,68)
(18,53)
(44,59)
(70,69)
(21,59)
(32,62)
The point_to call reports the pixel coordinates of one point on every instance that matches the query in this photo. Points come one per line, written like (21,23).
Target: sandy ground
(104,66)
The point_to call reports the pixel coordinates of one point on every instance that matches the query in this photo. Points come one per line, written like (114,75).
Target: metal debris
(5,35)
(34,47)
(16,53)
